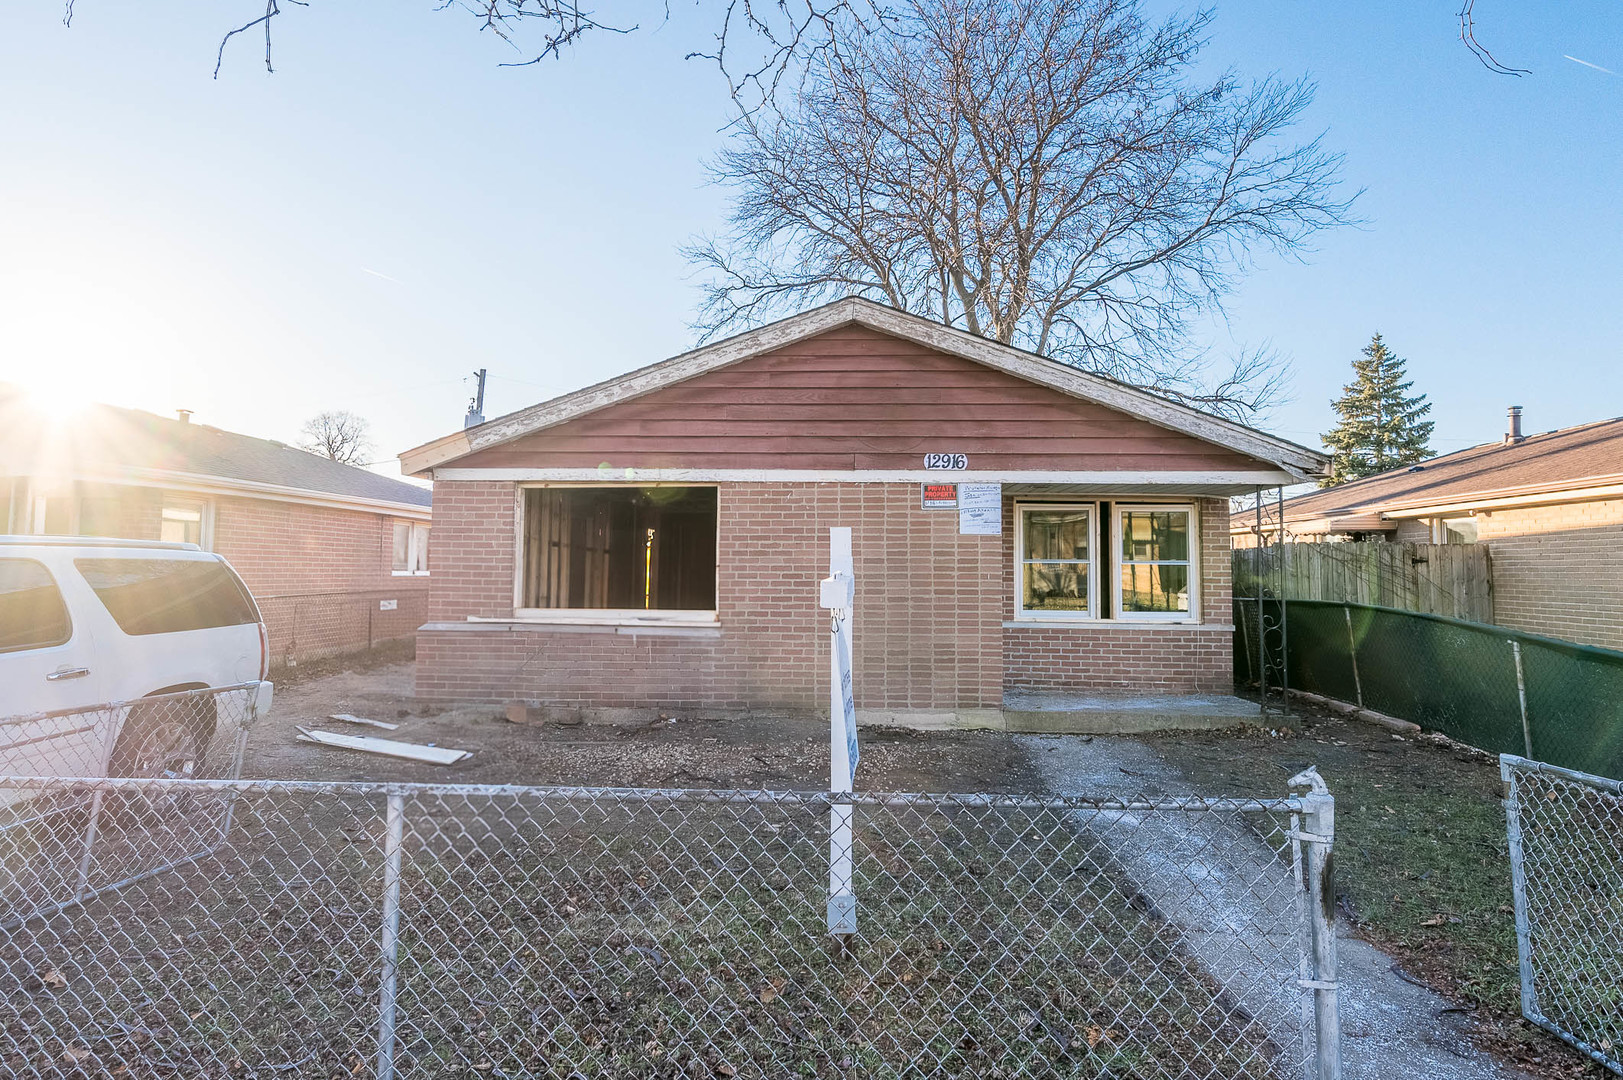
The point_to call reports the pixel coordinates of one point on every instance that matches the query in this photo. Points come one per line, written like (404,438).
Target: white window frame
(1117,561)
(1439,529)
(1021,612)
(605,616)
(416,547)
(205,510)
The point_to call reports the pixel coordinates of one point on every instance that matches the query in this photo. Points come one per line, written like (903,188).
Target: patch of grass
(1422,861)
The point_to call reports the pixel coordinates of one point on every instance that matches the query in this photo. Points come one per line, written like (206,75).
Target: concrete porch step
(1117,714)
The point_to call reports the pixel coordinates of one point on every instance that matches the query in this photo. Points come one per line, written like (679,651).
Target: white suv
(86,621)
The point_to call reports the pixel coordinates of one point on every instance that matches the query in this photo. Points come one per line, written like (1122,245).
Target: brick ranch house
(1549,509)
(336,556)
(655,541)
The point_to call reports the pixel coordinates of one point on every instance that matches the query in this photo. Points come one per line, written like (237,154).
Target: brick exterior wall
(1558,570)
(929,631)
(319,574)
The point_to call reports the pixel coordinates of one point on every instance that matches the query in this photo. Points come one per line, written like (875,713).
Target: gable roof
(1299,461)
(116,444)
(1540,468)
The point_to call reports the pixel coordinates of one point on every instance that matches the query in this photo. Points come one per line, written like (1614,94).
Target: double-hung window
(1055,541)
(1157,573)
(1106,561)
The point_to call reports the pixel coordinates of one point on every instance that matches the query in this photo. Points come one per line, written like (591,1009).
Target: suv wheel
(164,739)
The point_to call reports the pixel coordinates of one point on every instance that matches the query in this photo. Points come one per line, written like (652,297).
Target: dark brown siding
(857,399)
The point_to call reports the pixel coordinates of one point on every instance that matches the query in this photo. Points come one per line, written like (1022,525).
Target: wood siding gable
(857,399)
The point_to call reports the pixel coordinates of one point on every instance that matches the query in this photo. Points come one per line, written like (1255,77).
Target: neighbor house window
(181,522)
(619,549)
(1056,569)
(1460,530)
(410,555)
(1156,572)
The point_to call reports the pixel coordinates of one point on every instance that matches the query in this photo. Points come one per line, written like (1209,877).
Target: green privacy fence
(1448,675)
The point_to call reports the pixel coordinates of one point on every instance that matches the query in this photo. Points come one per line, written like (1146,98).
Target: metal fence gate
(289,929)
(1566,860)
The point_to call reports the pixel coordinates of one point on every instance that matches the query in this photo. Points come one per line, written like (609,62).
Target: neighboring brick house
(335,555)
(1549,509)
(655,541)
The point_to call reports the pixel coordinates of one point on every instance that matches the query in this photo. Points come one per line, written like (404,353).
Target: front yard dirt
(762,752)
(1422,868)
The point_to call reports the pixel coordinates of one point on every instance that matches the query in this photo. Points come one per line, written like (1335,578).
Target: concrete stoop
(1079,714)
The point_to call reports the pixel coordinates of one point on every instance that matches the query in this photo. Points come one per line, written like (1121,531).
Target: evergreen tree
(1380,427)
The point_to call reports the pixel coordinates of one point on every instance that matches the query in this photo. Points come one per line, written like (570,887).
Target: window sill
(408,573)
(698,624)
(1116,624)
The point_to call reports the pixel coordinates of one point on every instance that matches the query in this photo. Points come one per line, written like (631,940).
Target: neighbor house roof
(1583,462)
(120,445)
(1292,459)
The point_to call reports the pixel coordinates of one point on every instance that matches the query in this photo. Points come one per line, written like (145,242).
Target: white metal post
(1319,823)
(838,594)
(394,827)
(1521,697)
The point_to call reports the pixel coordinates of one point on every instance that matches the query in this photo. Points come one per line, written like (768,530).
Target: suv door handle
(68,673)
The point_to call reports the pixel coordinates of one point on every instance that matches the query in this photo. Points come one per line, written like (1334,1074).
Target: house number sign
(946,461)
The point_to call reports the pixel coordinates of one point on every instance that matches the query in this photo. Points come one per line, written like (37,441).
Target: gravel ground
(762,752)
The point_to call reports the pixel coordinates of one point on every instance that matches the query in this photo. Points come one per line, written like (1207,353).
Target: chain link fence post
(1319,829)
(1518,882)
(390,944)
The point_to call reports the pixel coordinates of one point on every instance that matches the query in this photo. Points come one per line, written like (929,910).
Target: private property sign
(938,496)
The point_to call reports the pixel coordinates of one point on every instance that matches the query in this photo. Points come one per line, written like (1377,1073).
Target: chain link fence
(314,626)
(293,929)
(78,842)
(1500,690)
(1566,858)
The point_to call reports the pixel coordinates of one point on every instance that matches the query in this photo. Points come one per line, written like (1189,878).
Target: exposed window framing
(617,553)
(409,557)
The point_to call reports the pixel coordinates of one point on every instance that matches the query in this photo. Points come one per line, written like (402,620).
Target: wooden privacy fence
(1455,580)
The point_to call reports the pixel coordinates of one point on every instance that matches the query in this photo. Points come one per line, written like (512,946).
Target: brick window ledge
(565,625)
(1132,625)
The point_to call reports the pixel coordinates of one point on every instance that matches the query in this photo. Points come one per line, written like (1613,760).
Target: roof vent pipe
(1513,425)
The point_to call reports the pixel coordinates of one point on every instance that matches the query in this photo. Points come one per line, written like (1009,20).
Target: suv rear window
(168,596)
(32,615)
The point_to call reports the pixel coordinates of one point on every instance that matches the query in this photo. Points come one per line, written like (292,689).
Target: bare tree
(339,435)
(1049,175)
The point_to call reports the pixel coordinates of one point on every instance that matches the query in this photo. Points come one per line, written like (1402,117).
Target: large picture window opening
(619,549)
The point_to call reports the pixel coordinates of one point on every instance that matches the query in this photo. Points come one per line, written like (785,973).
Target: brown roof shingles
(1589,455)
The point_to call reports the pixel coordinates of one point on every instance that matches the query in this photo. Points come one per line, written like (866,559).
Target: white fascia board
(1508,502)
(197,484)
(1300,461)
(1202,481)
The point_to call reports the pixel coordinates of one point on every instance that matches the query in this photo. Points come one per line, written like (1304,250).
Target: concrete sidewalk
(1390,1028)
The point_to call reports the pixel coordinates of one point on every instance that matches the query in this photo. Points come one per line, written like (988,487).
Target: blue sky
(391,210)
